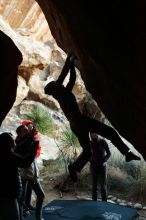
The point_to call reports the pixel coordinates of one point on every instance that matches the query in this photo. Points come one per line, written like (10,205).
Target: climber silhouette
(80,124)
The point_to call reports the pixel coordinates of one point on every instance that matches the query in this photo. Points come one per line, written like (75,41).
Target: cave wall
(109,39)
(10,59)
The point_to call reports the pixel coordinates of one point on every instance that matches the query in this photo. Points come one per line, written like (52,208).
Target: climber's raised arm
(65,70)
(72,78)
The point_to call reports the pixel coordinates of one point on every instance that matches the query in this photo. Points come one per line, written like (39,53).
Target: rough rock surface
(109,42)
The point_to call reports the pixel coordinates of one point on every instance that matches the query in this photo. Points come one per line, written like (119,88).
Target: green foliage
(52,166)
(70,145)
(138,189)
(118,180)
(123,176)
(117,160)
(43,123)
(69,138)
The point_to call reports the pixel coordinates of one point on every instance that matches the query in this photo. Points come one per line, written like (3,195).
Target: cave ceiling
(109,40)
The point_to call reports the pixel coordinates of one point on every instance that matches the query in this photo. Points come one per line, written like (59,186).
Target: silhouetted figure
(23,141)
(10,183)
(29,174)
(10,59)
(100,154)
(31,127)
(80,124)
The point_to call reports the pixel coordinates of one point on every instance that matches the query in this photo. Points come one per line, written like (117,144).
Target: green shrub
(118,180)
(138,189)
(69,138)
(52,167)
(117,160)
(70,145)
(44,124)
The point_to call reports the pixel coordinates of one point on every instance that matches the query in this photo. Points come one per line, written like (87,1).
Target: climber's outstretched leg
(112,135)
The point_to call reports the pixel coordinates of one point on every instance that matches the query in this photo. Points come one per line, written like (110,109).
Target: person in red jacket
(29,176)
(31,127)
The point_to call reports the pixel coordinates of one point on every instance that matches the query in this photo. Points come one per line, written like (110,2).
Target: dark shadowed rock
(109,40)
(10,59)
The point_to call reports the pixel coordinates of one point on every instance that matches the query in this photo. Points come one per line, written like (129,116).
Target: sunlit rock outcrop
(41,64)
(22,91)
(26,17)
(35,54)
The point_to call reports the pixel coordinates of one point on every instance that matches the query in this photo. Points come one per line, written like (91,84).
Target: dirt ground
(52,192)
